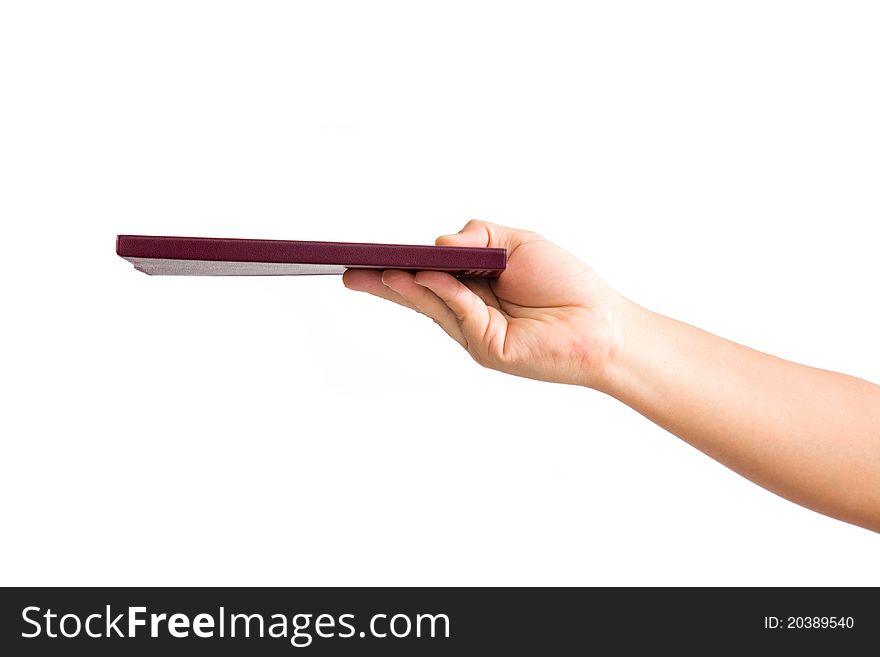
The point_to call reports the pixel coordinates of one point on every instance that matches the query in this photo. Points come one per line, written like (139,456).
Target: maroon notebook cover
(210,256)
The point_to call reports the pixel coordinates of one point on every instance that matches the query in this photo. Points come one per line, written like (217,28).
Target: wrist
(629,335)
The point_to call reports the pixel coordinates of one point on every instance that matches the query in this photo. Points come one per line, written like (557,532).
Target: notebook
(210,256)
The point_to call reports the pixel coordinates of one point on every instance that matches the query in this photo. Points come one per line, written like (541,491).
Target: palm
(553,318)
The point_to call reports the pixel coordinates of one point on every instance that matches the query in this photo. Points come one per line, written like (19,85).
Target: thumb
(483,233)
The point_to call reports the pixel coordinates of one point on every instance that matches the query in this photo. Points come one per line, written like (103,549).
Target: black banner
(431,621)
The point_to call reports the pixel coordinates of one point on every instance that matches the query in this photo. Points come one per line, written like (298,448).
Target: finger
(470,310)
(483,233)
(424,301)
(482,288)
(370,281)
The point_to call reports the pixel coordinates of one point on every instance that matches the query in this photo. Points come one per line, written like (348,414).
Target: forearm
(809,435)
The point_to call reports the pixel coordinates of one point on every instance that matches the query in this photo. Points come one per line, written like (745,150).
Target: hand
(548,316)
(807,434)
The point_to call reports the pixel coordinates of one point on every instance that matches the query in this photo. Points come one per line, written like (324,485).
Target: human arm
(810,435)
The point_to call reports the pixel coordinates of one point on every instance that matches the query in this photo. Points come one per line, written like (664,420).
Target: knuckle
(479,356)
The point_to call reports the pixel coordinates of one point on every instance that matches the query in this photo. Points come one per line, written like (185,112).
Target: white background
(717,162)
